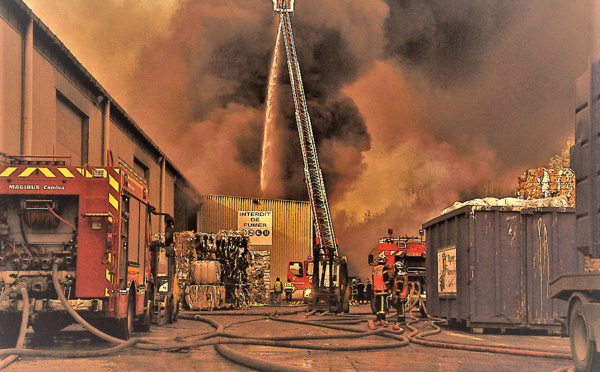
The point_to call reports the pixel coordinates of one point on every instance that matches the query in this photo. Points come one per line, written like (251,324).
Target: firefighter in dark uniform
(278,290)
(368,291)
(400,289)
(353,291)
(381,287)
(360,290)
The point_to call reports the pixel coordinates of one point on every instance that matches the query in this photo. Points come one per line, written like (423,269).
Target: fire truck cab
(300,274)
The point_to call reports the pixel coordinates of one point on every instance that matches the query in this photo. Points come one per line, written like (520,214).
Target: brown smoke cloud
(415,104)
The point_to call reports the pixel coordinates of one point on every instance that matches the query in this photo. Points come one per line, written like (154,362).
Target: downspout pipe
(27,91)
(105,132)
(163,182)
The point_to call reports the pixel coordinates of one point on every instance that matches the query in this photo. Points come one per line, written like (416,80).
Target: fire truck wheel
(423,310)
(176,316)
(373,309)
(124,327)
(9,330)
(346,300)
(583,350)
(170,310)
(45,326)
(144,321)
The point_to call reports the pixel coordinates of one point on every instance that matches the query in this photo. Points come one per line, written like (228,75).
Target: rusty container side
(489,267)
(550,251)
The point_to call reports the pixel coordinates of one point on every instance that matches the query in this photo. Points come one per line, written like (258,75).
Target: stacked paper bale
(230,249)
(185,254)
(259,277)
(542,183)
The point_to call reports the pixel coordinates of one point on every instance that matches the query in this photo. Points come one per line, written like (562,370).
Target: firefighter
(353,291)
(360,290)
(369,291)
(277,289)
(289,289)
(380,287)
(401,289)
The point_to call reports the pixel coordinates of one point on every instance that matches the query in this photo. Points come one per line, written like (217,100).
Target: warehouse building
(281,230)
(50,104)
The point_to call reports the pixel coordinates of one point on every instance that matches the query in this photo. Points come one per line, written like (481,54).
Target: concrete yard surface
(368,353)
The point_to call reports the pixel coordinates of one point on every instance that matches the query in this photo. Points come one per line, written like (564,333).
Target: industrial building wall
(68,107)
(10,80)
(292,233)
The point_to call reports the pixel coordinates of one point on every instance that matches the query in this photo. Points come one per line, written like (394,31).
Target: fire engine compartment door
(92,278)
(133,242)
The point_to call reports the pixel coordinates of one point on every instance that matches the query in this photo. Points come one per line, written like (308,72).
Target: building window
(141,169)
(72,131)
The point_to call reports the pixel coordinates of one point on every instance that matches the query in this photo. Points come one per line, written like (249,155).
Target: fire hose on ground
(12,357)
(220,339)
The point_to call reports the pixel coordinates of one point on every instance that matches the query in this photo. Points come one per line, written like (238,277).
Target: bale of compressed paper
(542,183)
(185,254)
(205,297)
(259,277)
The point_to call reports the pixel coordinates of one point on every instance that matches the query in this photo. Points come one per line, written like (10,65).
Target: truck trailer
(582,290)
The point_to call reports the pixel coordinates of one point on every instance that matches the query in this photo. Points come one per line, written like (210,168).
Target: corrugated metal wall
(292,226)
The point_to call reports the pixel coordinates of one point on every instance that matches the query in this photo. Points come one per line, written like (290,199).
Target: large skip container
(489,267)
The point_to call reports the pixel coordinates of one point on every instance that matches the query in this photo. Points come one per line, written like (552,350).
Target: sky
(415,104)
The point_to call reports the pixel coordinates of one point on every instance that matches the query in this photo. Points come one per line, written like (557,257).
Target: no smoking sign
(258,225)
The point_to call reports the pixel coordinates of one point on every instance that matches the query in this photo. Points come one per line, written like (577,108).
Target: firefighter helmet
(400,268)
(381,260)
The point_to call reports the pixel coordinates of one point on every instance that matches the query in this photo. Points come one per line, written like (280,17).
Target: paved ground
(255,323)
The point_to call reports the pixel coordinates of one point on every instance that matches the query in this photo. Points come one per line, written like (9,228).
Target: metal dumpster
(489,267)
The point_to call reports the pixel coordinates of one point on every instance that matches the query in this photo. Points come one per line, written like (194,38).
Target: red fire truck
(300,274)
(86,227)
(409,250)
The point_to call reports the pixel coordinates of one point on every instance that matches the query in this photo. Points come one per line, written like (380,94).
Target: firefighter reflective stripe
(113,183)
(66,172)
(288,287)
(113,201)
(8,171)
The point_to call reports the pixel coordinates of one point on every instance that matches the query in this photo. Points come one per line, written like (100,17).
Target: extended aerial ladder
(330,276)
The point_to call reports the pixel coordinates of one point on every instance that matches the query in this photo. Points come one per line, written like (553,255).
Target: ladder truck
(330,292)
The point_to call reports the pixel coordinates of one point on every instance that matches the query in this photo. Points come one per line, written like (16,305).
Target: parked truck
(300,273)
(86,228)
(582,290)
